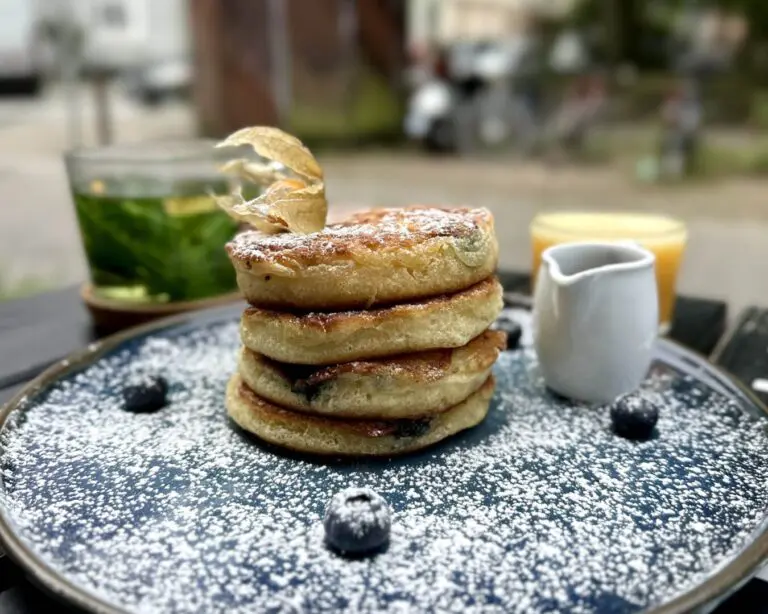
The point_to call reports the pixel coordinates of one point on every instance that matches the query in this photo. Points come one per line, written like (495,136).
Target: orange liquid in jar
(664,236)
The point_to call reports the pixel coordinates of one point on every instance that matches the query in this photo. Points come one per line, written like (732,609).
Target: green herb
(163,247)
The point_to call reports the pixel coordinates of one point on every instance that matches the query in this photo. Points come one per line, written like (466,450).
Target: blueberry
(412,428)
(146,395)
(514,331)
(633,417)
(357,521)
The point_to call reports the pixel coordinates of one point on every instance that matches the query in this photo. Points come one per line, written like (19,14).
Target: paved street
(728,220)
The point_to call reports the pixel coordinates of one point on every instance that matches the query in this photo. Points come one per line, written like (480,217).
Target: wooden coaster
(112,315)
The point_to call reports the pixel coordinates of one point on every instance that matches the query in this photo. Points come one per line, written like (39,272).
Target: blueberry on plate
(357,521)
(633,417)
(145,395)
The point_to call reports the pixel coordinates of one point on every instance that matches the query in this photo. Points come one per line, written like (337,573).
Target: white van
(20,66)
(147,41)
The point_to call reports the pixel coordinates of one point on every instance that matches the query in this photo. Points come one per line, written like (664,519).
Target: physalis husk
(294,204)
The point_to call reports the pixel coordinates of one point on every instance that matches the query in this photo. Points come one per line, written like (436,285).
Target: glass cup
(664,236)
(150,228)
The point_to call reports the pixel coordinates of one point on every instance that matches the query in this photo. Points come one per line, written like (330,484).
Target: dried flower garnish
(289,203)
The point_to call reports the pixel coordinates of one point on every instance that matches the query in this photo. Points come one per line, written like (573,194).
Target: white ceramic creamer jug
(595,318)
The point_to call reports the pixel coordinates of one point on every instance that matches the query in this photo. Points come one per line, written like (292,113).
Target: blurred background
(522,106)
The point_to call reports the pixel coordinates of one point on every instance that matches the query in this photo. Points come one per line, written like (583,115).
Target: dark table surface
(38,331)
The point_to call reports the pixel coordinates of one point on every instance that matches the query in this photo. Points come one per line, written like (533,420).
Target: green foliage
(759,110)
(720,160)
(759,163)
(375,111)
(630,32)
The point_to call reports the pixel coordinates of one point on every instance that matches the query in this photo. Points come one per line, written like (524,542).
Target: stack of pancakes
(371,336)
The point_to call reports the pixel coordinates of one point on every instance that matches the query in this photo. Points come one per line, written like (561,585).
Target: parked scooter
(466,101)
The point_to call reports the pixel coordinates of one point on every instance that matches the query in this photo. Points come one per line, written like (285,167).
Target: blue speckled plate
(541,508)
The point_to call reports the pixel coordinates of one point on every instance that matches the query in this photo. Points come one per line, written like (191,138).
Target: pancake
(344,437)
(405,386)
(447,321)
(379,257)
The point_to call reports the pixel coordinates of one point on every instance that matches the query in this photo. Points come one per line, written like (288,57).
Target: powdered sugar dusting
(375,229)
(540,508)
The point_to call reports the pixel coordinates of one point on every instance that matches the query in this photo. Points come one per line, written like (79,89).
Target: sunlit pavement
(728,220)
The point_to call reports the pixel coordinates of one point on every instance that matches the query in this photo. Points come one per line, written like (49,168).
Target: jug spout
(571,262)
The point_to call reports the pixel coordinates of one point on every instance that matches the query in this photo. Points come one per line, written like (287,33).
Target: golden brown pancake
(345,437)
(405,386)
(447,321)
(379,257)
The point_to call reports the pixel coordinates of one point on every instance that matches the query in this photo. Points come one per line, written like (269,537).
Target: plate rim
(702,597)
